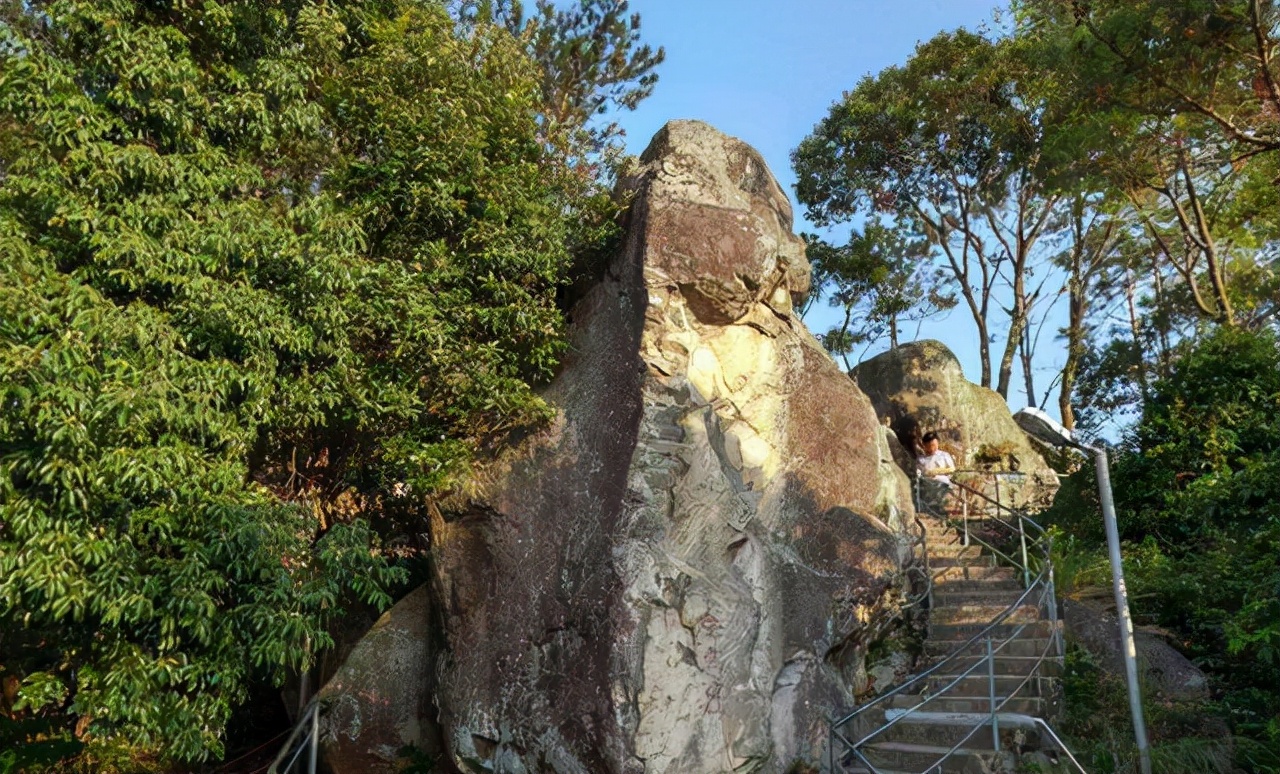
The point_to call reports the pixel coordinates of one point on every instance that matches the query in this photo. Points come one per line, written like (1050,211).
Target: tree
(271,275)
(1174,104)
(947,144)
(1201,487)
(1089,261)
(591,56)
(879,282)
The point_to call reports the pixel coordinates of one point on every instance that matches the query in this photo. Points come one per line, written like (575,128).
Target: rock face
(1163,670)
(920,387)
(679,573)
(380,700)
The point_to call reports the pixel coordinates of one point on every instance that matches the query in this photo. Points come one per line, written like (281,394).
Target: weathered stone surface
(380,700)
(1163,670)
(676,575)
(920,387)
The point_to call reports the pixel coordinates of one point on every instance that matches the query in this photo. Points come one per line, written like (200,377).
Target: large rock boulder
(680,572)
(380,700)
(1164,671)
(920,386)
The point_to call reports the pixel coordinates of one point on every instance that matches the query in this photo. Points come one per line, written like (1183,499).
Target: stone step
(969,729)
(947,597)
(977,684)
(905,756)
(1005,665)
(936,525)
(953,550)
(938,561)
(941,530)
(980,614)
(1025,705)
(960,572)
(944,631)
(849,764)
(961,585)
(1028,646)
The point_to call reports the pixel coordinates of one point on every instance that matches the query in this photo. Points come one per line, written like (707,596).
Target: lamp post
(1043,427)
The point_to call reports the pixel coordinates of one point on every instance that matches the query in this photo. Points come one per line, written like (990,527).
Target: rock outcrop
(380,701)
(1164,671)
(920,387)
(682,573)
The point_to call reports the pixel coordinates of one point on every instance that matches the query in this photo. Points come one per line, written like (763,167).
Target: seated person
(935,464)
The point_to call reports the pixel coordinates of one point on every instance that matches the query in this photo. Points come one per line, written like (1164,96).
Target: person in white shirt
(935,464)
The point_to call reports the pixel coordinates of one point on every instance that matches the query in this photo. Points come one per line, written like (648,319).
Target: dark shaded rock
(1161,667)
(380,700)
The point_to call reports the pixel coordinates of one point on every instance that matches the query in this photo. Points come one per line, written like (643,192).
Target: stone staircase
(970,590)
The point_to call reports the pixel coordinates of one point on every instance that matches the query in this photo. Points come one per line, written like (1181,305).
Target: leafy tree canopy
(272,271)
(591,56)
(1174,104)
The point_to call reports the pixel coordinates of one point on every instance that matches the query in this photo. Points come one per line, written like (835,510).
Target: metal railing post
(1058,649)
(964,514)
(1022,537)
(991,688)
(315,739)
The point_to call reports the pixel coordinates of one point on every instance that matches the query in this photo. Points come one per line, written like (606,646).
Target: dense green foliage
(1198,496)
(271,273)
(1186,736)
(1170,106)
(1202,491)
(590,53)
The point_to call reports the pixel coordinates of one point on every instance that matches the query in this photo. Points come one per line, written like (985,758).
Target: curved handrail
(308,727)
(923,542)
(1040,543)
(1061,744)
(999,619)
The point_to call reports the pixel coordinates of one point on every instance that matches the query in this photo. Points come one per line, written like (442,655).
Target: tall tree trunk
(984,351)
(1017,324)
(1076,306)
(1130,292)
(1024,352)
(1163,360)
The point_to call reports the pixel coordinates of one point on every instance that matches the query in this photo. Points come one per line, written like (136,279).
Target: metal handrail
(954,654)
(947,659)
(1061,744)
(1041,544)
(923,542)
(309,727)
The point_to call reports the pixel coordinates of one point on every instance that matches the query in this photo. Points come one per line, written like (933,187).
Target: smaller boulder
(1164,669)
(920,387)
(379,702)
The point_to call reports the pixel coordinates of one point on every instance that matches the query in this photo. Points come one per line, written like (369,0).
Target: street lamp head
(1043,427)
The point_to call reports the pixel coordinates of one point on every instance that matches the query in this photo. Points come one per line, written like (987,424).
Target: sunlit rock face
(920,387)
(682,572)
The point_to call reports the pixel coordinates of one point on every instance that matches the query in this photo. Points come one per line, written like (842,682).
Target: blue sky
(766,71)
